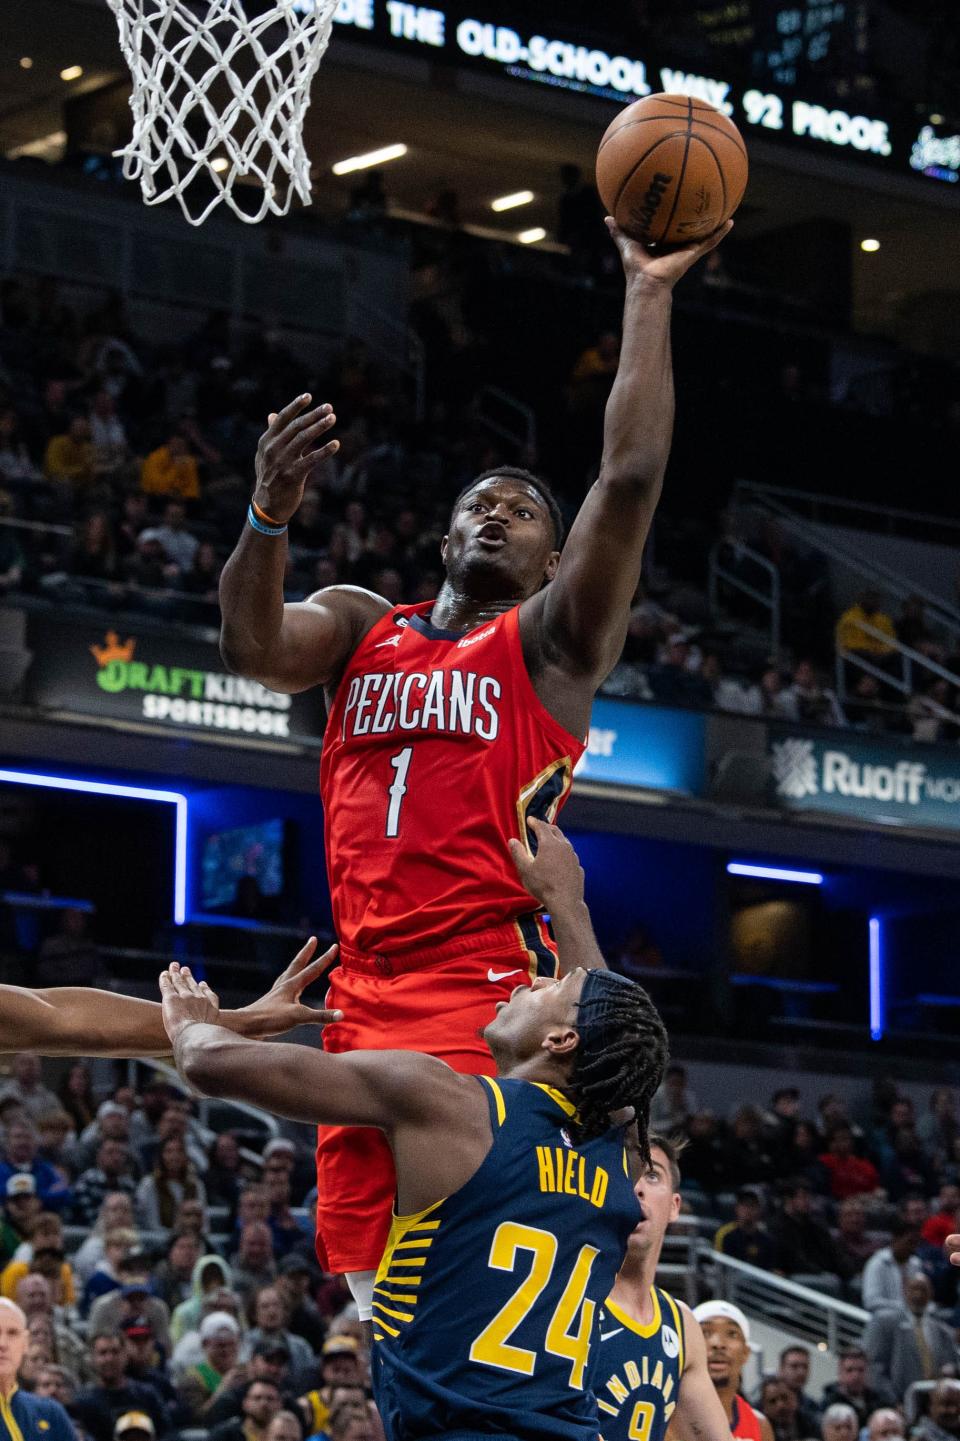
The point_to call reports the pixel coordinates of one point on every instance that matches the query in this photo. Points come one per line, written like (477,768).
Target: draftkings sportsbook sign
(125,673)
(911,785)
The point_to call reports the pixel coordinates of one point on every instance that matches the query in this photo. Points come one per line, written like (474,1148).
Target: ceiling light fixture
(870,246)
(220,164)
(25,62)
(530,237)
(373,157)
(72,72)
(510,202)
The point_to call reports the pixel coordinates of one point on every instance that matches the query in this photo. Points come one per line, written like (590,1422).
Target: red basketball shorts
(431,1001)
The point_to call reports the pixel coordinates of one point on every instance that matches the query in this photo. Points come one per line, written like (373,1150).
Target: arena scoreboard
(784,107)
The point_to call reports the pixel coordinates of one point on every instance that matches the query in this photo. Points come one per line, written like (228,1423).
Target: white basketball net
(222,94)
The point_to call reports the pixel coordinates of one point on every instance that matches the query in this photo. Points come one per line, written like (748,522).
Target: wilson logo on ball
(651,201)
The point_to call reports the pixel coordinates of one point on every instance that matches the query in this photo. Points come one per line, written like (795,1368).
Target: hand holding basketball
(285,459)
(668,267)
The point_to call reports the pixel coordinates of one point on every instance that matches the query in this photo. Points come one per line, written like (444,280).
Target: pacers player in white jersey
(651,1363)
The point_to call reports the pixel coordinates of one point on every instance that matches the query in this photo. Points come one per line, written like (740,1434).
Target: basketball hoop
(221,93)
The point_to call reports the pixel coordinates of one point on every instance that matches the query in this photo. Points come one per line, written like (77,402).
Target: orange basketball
(671,170)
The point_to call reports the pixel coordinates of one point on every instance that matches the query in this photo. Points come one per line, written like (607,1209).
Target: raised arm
(554,877)
(585,610)
(300,1083)
(287,648)
(79,1021)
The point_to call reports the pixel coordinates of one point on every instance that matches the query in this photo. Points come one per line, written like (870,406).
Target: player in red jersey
(450,724)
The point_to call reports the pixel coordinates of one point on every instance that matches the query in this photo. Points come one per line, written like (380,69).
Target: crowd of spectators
(857,1208)
(125,469)
(167,1273)
(169,1284)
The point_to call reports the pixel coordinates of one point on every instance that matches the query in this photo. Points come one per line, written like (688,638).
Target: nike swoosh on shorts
(502,975)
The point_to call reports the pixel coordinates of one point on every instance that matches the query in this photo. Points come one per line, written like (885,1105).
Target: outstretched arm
(554,877)
(361,1088)
(699,1414)
(586,608)
(287,648)
(79,1021)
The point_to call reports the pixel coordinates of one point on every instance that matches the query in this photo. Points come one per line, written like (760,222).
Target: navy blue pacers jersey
(637,1370)
(484,1306)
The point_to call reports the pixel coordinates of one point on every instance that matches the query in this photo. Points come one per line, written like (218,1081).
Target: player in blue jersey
(515,1199)
(650,1358)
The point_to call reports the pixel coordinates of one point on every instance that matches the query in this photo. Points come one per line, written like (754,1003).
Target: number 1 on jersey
(398,788)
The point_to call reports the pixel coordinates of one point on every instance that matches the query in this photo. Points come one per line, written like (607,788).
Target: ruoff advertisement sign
(919,786)
(137,675)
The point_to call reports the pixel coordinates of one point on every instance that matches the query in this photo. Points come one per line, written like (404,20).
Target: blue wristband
(258,524)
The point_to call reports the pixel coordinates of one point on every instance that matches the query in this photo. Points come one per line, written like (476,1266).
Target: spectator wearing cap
(135,1297)
(270,1324)
(45,1236)
(260,1402)
(134,1426)
(22,1414)
(21,1208)
(219,1370)
(112,1172)
(303,1318)
(210,1273)
(942,1423)
(145,1364)
(20,1147)
(99,1406)
(27,1086)
(887,1270)
(910,1344)
(852,1386)
(726,1334)
(804,1247)
(745,1238)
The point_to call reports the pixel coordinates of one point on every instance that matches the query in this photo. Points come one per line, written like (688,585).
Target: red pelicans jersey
(437,749)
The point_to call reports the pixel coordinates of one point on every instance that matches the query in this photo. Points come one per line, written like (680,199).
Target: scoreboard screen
(766,75)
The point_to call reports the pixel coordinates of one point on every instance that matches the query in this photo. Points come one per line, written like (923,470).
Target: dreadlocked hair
(516,472)
(619,1063)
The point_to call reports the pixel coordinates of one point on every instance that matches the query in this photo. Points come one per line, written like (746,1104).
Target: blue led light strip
(774,873)
(130,793)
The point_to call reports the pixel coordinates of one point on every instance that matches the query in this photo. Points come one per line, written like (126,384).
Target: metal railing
(890,581)
(507,417)
(808,1315)
(882,518)
(205,1104)
(904,683)
(768,602)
